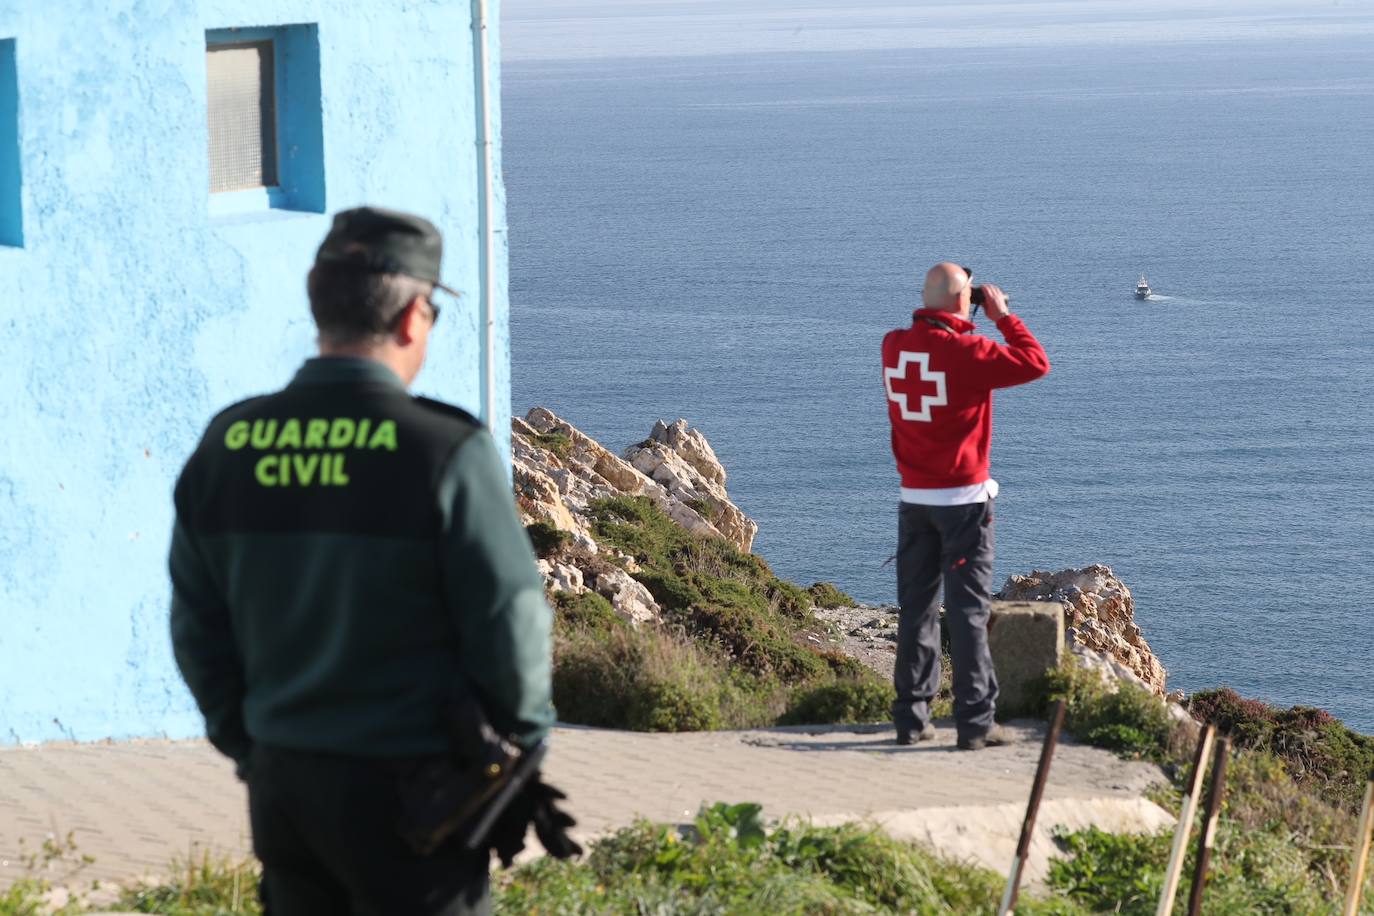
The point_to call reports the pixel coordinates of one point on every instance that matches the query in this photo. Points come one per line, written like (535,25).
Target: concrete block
(1027,640)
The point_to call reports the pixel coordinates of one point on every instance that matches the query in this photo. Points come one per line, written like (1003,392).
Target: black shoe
(904,736)
(993,737)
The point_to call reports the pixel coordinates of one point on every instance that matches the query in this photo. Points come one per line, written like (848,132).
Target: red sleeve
(1021,359)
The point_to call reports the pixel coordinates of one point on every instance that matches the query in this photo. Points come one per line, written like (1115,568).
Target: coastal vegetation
(1283,842)
(729,861)
(1317,751)
(737,647)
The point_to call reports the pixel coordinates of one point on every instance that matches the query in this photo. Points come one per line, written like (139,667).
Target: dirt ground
(869,633)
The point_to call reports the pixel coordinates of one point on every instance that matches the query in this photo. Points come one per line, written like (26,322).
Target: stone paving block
(1026,639)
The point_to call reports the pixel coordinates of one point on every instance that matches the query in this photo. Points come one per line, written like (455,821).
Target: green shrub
(55,863)
(721,596)
(546,539)
(558,443)
(705,508)
(1249,872)
(649,679)
(22,898)
(1129,720)
(844,665)
(825,594)
(639,680)
(789,599)
(845,701)
(729,862)
(757,643)
(1111,873)
(1316,748)
(1262,797)
(203,886)
(587,611)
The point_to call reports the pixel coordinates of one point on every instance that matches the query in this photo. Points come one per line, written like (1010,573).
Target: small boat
(1142,289)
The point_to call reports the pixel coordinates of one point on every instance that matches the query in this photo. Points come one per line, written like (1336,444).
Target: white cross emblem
(938,399)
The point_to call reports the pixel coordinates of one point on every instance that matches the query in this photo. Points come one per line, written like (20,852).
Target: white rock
(692,446)
(567,578)
(627,595)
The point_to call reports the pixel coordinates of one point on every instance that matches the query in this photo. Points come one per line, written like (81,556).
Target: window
(11,212)
(263,119)
(243,117)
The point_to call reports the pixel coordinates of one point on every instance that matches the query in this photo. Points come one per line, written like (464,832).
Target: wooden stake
(1352,896)
(1185,822)
(1209,825)
(1042,775)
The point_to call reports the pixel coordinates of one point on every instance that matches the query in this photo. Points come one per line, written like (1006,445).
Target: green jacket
(345,557)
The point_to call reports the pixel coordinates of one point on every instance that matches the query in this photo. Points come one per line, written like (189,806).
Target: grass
(199,886)
(614,676)
(55,863)
(1128,720)
(1283,839)
(558,443)
(705,508)
(1249,873)
(825,594)
(738,647)
(729,862)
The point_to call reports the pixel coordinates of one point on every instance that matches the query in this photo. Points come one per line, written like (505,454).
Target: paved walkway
(134,806)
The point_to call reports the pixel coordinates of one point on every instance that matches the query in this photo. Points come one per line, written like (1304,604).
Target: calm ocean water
(727,236)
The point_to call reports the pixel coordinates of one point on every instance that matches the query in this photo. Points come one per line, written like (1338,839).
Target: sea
(717,209)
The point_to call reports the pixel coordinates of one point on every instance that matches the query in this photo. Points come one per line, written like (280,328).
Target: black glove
(551,823)
(537,805)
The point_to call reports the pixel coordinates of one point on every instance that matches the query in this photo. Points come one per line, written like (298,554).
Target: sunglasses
(433,315)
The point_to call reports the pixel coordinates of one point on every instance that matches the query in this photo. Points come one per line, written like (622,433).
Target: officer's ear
(414,322)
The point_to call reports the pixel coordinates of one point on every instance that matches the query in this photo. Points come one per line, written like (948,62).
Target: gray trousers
(953,544)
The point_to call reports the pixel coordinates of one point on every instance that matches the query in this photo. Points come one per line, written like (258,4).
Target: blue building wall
(129,314)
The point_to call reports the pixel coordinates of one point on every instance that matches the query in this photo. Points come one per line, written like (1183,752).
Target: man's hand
(995,302)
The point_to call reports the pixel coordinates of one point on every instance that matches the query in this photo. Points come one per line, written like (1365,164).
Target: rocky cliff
(560,472)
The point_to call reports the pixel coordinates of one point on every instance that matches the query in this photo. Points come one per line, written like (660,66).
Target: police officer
(345,557)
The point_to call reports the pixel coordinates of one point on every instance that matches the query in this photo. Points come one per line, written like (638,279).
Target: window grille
(242,116)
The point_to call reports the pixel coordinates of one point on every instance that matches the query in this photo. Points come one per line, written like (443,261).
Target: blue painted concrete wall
(129,314)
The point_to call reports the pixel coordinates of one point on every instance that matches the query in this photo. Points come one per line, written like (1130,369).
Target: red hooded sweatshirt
(939,380)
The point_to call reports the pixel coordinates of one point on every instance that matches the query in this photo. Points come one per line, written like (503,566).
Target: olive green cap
(380,241)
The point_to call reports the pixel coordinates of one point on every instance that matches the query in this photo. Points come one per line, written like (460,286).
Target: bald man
(940,377)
